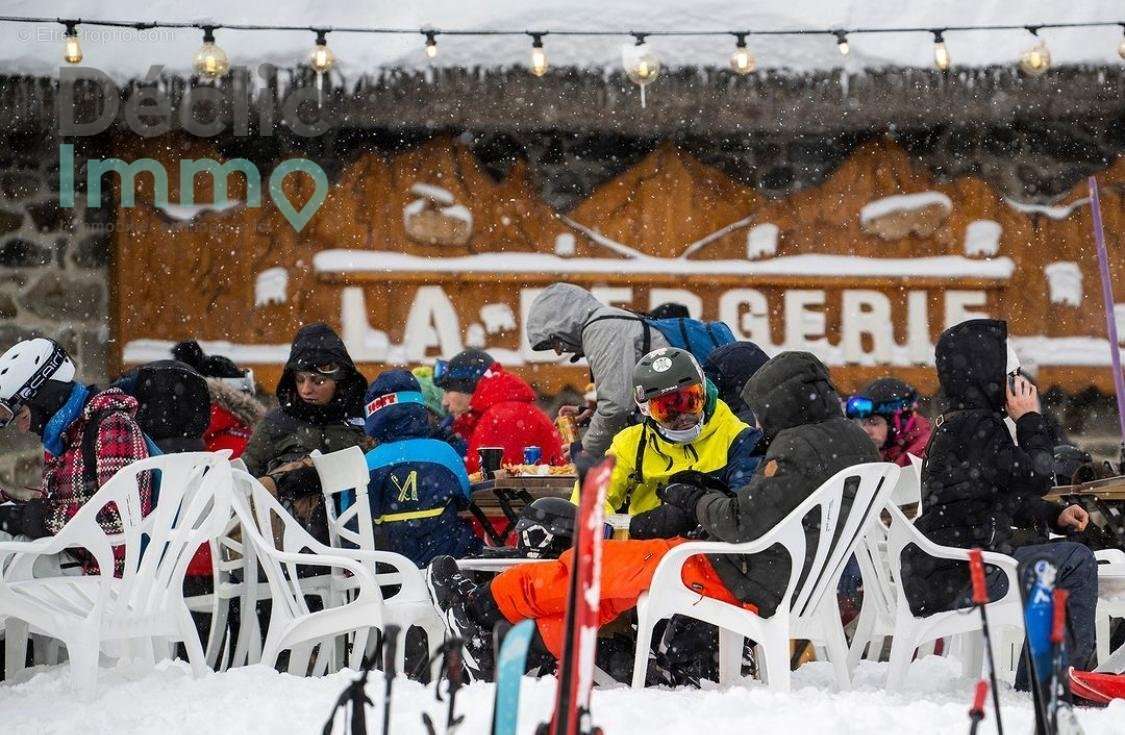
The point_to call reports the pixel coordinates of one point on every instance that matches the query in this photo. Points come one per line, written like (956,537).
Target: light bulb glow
(742,61)
(538,62)
(1036,60)
(941,56)
(1121,50)
(842,43)
(321,57)
(210,60)
(431,44)
(72,50)
(641,64)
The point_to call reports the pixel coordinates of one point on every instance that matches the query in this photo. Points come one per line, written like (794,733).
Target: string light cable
(211,61)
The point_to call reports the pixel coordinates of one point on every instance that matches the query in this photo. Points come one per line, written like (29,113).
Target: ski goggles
(861,407)
(667,407)
(444,372)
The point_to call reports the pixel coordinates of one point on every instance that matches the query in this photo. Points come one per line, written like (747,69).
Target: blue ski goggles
(861,407)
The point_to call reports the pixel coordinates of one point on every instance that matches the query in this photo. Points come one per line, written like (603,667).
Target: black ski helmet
(546,528)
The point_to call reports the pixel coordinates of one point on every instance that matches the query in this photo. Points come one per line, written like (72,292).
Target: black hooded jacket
(809,441)
(979,486)
(295,428)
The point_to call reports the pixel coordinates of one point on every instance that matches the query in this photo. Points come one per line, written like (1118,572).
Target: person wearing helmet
(688,435)
(87,434)
(887,411)
(809,441)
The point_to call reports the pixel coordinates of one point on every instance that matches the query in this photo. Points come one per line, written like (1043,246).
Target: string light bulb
(641,64)
(742,62)
(210,60)
(1036,60)
(941,54)
(431,44)
(321,57)
(1121,48)
(539,64)
(72,50)
(842,42)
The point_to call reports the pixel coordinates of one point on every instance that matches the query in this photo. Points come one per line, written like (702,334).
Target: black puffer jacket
(980,488)
(809,442)
(295,428)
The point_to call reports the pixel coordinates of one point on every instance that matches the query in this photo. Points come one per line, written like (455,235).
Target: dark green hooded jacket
(809,441)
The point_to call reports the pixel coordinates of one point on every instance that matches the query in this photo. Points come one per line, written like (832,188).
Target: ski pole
(976,712)
(980,599)
(390,653)
(1110,320)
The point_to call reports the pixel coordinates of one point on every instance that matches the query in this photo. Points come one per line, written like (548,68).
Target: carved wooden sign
(418,255)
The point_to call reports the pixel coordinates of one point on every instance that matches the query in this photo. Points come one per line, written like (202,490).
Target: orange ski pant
(538,591)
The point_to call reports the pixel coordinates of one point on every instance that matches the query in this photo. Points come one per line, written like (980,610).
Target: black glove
(667,521)
(682,495)
(700,479)
(298,482)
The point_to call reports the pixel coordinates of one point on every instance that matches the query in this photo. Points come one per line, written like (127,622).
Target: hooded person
(729,367)
(88,436)
(320,406)
(688,434)
(234,409)
(418,484)
(495,408)
(569,319)
(887,409)
(809,441)
(982,489)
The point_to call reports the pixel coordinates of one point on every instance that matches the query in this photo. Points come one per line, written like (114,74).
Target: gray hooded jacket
(612,348)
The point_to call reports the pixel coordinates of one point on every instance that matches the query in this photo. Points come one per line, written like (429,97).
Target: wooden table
(1104,500)
(503,499)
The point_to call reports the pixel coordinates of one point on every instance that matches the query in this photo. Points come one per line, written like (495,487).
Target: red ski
(576,667)
(1097,688)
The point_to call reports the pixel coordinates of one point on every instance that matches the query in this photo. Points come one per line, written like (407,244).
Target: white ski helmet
(24,368)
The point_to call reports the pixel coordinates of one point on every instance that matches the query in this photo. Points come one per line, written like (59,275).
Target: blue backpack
(697,337)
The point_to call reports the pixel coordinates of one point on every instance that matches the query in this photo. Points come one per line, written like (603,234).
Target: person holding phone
(983,489)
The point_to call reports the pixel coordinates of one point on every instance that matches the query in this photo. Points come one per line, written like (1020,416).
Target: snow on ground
(251,700)
(124,53)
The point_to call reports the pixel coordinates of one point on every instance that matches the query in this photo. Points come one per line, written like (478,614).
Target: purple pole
(1110,321)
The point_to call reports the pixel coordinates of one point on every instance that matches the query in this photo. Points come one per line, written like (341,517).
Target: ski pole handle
(1058,615)
(979,695)
(976,573)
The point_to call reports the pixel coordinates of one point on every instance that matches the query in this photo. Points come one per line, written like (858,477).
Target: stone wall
(53,265)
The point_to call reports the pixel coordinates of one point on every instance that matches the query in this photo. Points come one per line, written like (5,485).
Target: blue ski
(510,665)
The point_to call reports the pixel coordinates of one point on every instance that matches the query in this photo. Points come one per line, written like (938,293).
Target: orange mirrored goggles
(668,406)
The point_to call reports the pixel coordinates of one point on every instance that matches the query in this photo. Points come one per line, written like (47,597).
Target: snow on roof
(382,261)
(903,202)
(1057,211)
(126,54)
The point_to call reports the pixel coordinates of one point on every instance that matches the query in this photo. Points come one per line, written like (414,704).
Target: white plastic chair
(876,618)
(807,612)
(133,616)
(346,471)
(1005,615)
(292,625)
(1111,604)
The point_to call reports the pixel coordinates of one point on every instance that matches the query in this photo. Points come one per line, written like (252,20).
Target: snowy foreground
(258,700)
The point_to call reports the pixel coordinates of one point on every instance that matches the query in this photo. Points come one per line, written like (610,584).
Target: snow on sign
(422,253)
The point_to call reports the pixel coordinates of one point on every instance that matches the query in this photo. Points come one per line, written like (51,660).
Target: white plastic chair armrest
(363,575)
(405,572)
(674,559)
(15,568)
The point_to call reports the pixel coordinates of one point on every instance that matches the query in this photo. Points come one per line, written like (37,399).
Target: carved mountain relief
(197,276)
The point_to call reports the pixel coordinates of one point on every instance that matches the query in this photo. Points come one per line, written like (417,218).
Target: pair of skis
(1044,607)
(576,666)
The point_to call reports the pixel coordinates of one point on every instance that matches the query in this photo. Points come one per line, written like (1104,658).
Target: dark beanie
(730,367)
(462,373)
(209,366)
